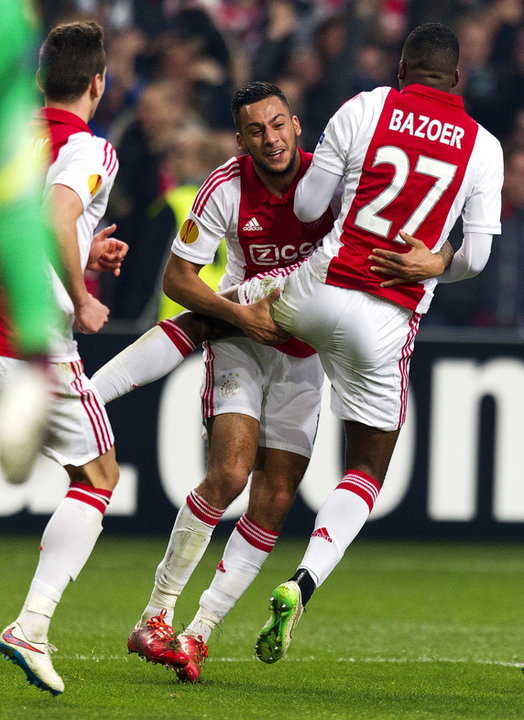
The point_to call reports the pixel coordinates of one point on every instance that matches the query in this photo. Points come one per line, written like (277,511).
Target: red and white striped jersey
(87,164)
(412,160)
(261,230)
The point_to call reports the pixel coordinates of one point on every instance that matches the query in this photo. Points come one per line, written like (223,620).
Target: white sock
(338,523)
(189,539)
(155,354)
(203,624)
(247,549)
(152,612)
(35,616)
(67,543)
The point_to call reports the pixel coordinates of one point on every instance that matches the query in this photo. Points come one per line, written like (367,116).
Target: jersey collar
(64,117)
(434,94)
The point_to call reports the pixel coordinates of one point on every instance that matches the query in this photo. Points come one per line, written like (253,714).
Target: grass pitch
(432,631)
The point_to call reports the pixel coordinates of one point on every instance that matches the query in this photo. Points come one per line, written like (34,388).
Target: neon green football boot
(286,610)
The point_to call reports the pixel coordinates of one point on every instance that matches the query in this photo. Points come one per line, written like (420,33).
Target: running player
(81,174)
(412,162)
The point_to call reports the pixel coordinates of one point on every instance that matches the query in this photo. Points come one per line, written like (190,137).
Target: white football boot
(33,658)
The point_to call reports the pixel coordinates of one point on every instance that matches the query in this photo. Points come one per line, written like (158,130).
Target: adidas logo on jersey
(322,533)
(252,225)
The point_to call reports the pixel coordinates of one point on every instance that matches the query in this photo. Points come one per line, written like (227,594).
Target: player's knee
(276,502)
(269,510)
(102,473)
(110,479)
(225,483)
(196,327)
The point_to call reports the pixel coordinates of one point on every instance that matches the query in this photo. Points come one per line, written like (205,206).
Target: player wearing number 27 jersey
(412,160)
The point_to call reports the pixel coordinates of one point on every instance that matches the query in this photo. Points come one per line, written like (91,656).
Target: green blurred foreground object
(26,244)
(27,307)
(402,632)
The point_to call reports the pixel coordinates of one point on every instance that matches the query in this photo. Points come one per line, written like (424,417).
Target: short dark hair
(430,42)
(72,54)
(252,93)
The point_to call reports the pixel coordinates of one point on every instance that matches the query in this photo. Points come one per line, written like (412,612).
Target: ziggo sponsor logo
(271,255)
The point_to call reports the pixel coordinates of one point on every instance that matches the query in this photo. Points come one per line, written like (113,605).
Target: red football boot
(196,651)
(157,643)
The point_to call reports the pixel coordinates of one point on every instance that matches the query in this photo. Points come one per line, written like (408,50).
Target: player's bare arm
(418,264)
(107,253)
(182,284)
(65,208)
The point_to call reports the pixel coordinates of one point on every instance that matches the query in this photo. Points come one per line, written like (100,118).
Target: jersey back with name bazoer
(412,160)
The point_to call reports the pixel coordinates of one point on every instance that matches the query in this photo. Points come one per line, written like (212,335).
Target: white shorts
(79,429)
(365,343)
(281,391)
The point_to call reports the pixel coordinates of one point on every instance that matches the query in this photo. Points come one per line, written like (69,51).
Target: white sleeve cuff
(470,258)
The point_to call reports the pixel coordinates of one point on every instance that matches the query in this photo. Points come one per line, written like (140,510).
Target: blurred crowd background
(173,66)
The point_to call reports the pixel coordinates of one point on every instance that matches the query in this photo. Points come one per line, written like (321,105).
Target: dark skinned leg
(368,449)
(158,352)
(200,328)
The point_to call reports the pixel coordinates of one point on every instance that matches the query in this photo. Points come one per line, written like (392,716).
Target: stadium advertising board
(456,472)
